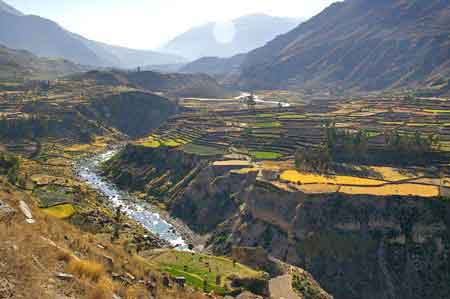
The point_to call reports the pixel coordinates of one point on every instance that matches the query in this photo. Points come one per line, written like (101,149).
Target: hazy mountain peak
(9,9)
(242,35)
(46,38)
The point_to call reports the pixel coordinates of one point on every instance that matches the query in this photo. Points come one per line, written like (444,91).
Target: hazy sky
(147,24)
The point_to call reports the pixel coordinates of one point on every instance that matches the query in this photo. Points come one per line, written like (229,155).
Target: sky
(148,24)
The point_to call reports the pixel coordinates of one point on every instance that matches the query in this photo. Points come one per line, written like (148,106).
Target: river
(145,214)
(243,95)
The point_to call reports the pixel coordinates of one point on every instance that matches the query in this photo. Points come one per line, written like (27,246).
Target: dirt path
(281,287)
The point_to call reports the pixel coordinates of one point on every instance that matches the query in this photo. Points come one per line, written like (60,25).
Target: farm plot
(202,271)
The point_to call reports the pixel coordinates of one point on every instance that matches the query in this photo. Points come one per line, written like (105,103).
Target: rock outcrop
(355,246)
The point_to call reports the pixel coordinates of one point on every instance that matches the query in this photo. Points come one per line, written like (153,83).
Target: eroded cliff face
(158,172)
(133,113)
(355,246)
(212,198)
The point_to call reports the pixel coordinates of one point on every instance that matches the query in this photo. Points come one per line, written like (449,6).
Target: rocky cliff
(133,113)
(128,113)
(355,246)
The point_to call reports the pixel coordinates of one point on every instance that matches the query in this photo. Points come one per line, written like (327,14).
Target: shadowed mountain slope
(21,64)
(357,43)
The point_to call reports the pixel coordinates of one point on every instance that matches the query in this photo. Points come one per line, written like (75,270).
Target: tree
(316,159)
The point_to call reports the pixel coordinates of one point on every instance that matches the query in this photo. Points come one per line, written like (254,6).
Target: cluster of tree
(353,146)
(315,159)
(347,144)
(416,144)
(37,126)
(9,165)
(29,127)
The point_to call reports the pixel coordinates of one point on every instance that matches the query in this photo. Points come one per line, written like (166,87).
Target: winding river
(146,215)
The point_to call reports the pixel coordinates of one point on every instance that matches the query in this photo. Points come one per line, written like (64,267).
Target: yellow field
(395,189)
(245,170)
(319,188)
(445,182)
(151,143)
(60,211)
(392,175)
(232,163)
(314,183)
(309,178)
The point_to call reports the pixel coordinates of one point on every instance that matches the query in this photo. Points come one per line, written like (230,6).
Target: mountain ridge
(356,44)
(251,31)
(8,8)
(21,64)
(46,38)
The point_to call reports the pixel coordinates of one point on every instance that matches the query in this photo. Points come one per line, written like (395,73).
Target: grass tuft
(86,269)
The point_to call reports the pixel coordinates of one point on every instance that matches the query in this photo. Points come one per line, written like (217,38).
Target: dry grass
(313,183)
(86,269)
(392,174)
(310,178)
(31,255)
(102,289)
(394,189)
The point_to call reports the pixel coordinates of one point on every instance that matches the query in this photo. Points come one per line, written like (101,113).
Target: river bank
(158,222)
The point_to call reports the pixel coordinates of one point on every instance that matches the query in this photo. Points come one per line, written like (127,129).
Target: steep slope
(172,84)
(46,38)
(128,58)
(356,246)
(9,9)
(43,37)
(251,31)
(357,43)
(214,65)
(16,64)
(182,85)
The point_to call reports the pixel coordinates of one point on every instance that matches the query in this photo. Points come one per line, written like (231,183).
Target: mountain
(170,84)
(9,9)
(251,31)
(46,38)
(129,58)
(21,64)
(357,43)
(43,37)
(214,65)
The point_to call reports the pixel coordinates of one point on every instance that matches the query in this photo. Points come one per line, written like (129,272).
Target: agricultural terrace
(226,129)
(202,271)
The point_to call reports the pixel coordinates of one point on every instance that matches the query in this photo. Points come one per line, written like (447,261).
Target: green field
(265,155)
(202,150)
(170,143)
(197,268)
(60,211)
(436,111)
(274,124)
